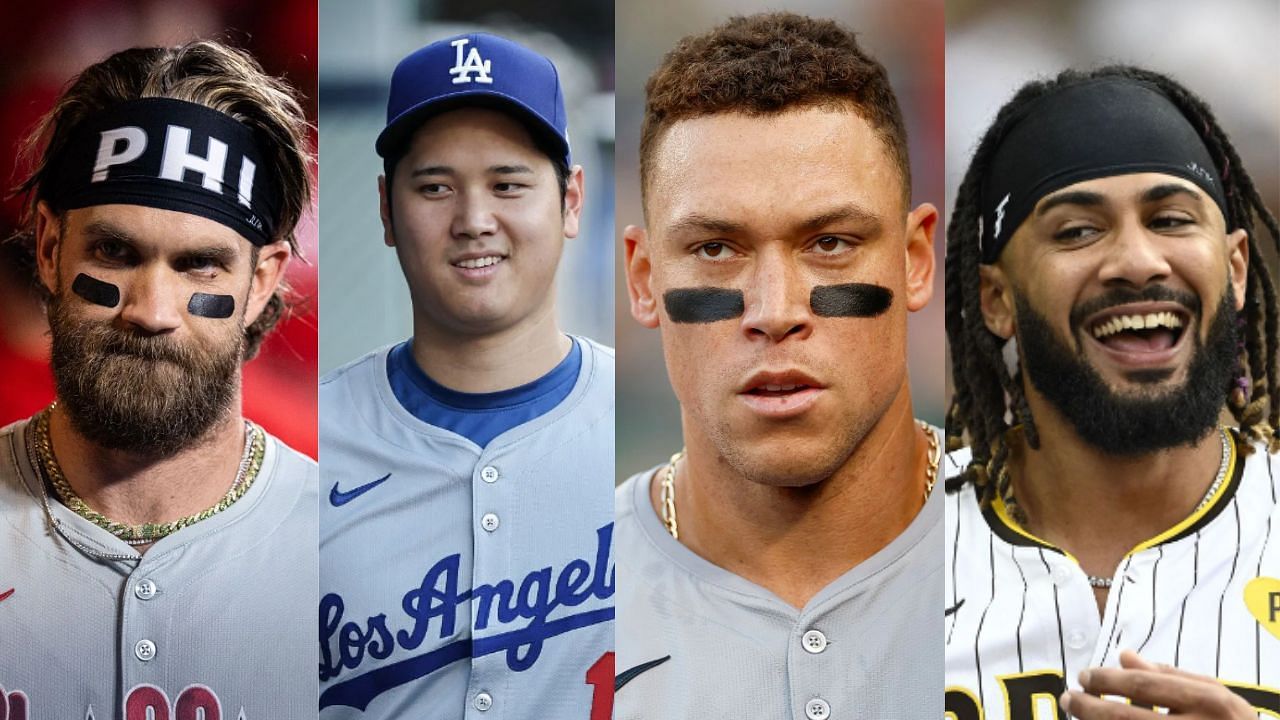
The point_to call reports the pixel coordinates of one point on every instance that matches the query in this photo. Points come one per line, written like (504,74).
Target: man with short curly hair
(783,564)
(159,548)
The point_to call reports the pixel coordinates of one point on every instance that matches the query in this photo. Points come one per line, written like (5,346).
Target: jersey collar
(1006,528)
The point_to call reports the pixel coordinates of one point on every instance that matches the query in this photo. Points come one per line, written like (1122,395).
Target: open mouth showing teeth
(777,390)
(1139,332)
(482,262)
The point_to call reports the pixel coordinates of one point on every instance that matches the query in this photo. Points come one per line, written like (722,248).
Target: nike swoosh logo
(338,499)
(627,676)
(5,595)
(952,610)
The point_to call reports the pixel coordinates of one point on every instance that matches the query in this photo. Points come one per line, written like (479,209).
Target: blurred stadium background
(47,43)
(906,37)
(363,297)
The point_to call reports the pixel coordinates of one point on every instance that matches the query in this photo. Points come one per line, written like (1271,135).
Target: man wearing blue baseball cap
(466,562)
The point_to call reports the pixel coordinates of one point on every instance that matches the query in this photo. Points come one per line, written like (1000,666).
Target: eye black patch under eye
(96,291)
(211,306)
(850,300)
(703,305)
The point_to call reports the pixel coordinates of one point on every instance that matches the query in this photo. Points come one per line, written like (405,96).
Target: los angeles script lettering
(533,598)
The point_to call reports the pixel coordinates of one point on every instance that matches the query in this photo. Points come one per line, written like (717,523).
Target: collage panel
(1111,268)
(779,173)
(947,350)
(466,403)
(157,345)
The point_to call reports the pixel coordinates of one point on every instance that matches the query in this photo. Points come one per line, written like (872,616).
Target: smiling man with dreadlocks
(1108,539)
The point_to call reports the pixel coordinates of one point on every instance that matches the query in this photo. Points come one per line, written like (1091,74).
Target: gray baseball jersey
(696,641)
(213,619)
(460,581)
(1022,622)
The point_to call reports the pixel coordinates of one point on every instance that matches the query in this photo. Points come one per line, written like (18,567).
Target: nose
(151,301)
(472,216)
(1135,257)
(777,302)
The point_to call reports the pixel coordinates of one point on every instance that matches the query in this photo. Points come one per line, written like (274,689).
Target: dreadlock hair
(989,400)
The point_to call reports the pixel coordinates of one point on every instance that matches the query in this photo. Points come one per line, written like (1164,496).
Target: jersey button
(1076,639)
(145,590)
(145,650)
(1061,575)
(483,701)
(814,641)
(489,522)
(489,474)
(817,709)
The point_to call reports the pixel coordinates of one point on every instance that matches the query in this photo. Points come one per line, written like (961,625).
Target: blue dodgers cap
(475,69)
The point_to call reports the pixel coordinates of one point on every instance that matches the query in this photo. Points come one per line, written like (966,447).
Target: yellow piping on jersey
(1195,516)
(1002,512)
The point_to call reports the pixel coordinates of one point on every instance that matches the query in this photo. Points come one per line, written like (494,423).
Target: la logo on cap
(473,64)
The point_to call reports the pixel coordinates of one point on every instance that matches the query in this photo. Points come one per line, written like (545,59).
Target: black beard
(145,395)
(1132,423)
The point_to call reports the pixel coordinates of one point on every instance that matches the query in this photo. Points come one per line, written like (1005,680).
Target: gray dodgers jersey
(696,641)
(1204,596)
(458,581)
(215,617)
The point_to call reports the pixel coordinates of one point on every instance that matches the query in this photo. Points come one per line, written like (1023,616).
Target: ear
(384,211)
(1238,264)
(272,260)
(920,265)
(644,308)
(48,234)
(574,193)
(997,300)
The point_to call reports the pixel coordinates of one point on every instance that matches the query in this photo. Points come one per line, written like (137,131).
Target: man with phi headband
(783,565)
(1112,550)
(159,549)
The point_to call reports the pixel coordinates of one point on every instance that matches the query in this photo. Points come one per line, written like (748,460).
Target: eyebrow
(695,222)
(1075,197)
(217,251)
(1092,199)
(698,222)
(1167,190)
(492,169)
(869,220)
(106,231)
(220,254)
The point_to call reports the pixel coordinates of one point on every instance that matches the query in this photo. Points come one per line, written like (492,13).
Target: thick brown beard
(142,394)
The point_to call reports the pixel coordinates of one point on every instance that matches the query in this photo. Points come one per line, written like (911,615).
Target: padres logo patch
(1262,597)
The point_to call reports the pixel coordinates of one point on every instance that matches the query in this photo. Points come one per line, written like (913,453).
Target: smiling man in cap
(466,559)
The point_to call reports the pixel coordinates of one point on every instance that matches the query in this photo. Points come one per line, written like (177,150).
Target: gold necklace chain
(146,533)
(669,480)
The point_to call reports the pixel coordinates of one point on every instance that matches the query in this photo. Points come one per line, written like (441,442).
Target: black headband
(172,155)
(1097,128)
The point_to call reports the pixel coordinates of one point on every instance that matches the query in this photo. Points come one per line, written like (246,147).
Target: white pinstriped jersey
(1204,596)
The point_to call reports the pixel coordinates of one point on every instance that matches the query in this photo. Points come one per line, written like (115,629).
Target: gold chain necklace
(669,480)
(146,533)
